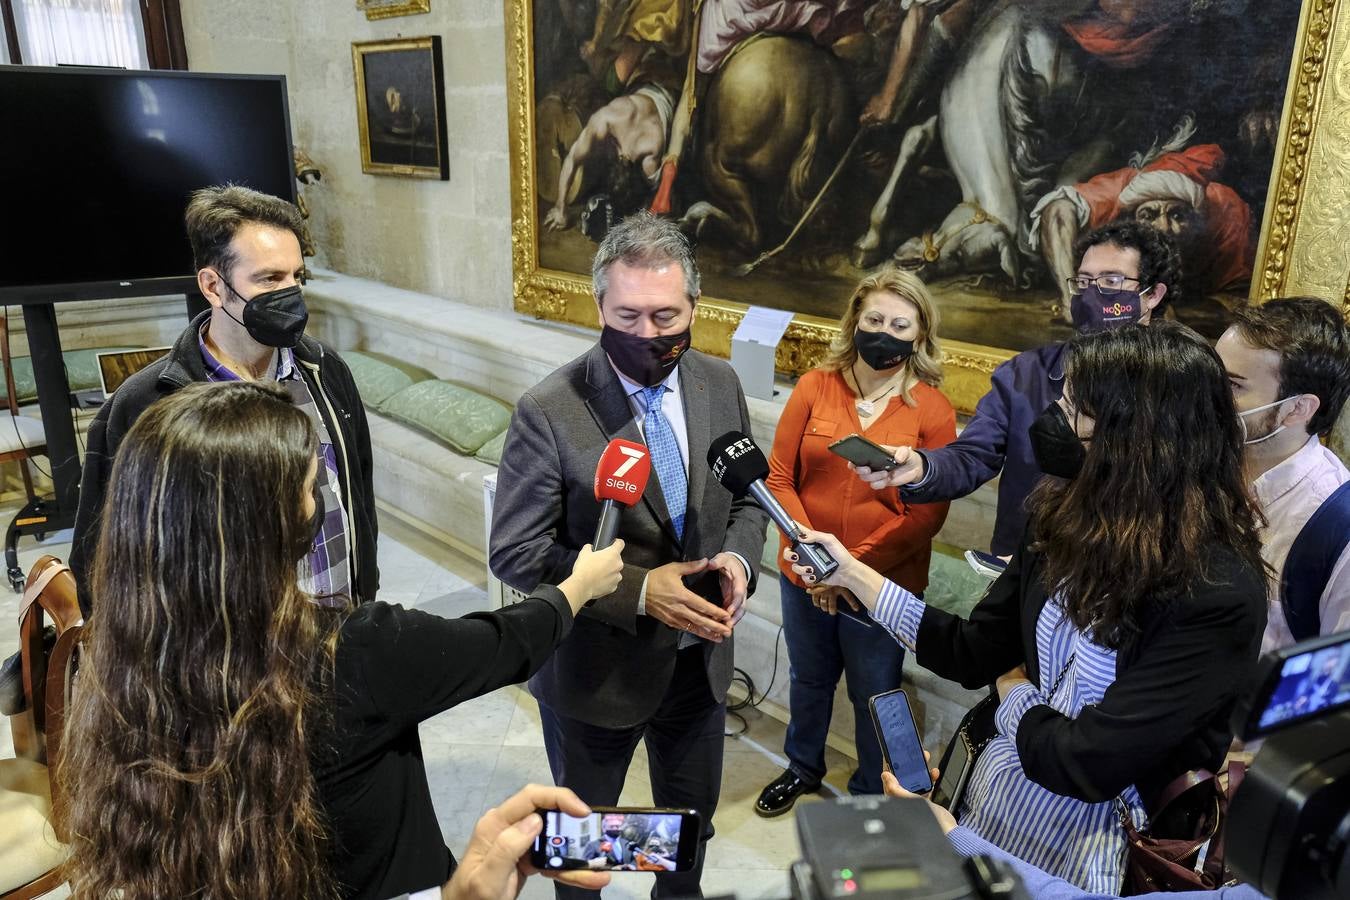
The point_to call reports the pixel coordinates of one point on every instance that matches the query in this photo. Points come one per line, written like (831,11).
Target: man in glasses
(1127,273)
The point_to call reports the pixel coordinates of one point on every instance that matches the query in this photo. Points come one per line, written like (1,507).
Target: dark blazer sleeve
(413,665)
(364,475)
(975,652)
(1188,672)
(527,514)
(977,455)
(105,433)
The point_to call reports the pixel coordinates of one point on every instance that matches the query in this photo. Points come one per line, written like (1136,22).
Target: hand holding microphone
(740,467)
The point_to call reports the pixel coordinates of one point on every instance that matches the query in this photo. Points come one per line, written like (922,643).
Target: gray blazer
(615,666)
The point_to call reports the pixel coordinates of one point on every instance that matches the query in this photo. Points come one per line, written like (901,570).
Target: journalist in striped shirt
(1122,630)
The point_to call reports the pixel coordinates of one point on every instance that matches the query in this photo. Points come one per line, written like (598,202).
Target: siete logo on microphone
(633,456)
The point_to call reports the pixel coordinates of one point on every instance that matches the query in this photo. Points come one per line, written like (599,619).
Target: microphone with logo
(620,480)
(740,467)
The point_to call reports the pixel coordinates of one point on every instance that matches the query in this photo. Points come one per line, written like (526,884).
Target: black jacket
(335,394)
(396,668)
(1176,680)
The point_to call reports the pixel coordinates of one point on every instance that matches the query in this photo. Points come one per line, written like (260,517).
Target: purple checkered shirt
(326,571)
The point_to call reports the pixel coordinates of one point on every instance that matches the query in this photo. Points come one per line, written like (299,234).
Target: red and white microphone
(620,480)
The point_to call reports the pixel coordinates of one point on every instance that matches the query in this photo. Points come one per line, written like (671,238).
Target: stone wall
(446,238)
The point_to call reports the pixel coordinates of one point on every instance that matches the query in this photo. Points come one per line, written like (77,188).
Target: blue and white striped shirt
(1082,843)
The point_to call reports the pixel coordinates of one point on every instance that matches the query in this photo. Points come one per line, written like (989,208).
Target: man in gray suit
(653,660)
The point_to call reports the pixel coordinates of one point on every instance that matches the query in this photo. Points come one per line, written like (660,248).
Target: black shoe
(779,796)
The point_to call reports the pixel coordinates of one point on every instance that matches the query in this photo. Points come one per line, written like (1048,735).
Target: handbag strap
(33,591)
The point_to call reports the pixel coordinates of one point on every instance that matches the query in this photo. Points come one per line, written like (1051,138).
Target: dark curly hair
(1314,346)
(1159,258)
(1161,488)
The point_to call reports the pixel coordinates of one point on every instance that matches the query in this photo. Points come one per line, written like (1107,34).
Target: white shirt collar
(1279,480)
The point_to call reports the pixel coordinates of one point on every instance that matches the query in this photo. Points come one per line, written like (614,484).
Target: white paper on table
(763,326)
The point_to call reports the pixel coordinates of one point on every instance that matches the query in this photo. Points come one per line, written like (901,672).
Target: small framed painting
(400,107)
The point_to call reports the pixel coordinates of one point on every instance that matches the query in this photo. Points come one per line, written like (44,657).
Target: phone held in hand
(861,452)
(618,839)
(899,737)
(986,564)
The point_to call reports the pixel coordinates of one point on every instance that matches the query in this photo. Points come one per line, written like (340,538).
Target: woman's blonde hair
(926,362)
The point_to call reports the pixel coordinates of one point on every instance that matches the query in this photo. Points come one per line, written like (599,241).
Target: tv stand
(44,515)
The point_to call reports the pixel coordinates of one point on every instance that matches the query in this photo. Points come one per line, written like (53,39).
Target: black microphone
(620,479)
(740,467)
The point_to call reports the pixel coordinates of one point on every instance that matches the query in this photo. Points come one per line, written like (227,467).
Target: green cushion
(463,419)
(491,452)
(953,585)
(81,371)
(415,373)
(375,380)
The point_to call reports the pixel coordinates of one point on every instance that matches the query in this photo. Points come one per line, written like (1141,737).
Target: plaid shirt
(326,571)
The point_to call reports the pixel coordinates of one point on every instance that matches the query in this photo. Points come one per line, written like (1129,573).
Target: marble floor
(482,751)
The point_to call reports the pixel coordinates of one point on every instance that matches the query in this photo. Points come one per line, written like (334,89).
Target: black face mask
(647,361)
(273,318)
(881,350)
(1094,311)
(1055,445)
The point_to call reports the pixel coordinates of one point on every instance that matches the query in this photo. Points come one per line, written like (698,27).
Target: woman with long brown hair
(228,737)
(1121,632)
(880,379)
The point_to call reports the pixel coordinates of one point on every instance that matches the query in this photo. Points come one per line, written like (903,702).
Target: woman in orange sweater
(880,379)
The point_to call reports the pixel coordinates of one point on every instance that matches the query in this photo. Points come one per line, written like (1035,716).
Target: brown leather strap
(1183,783)
(59,612)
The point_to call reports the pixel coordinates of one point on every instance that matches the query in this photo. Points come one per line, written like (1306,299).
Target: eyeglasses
(1107,284)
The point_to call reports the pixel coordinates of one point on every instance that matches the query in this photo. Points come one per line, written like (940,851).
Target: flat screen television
(96,166)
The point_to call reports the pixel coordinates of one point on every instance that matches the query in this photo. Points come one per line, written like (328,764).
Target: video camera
(881,848)
(1289,823)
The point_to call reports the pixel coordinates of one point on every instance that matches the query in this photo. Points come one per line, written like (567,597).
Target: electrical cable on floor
(742,677)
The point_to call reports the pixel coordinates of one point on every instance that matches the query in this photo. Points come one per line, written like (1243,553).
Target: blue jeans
(821,647)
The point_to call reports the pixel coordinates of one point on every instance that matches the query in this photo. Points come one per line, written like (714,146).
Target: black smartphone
(618,839)
(900,741)
(986,563)
(1295,684)
(861,452)
(951,783)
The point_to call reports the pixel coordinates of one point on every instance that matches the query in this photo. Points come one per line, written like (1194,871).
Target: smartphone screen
(900,741)
(1302,682)
(618,840)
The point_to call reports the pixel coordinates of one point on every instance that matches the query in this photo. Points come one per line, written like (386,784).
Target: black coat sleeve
(1191,664)
(976,651)
(105,434)
(409,665)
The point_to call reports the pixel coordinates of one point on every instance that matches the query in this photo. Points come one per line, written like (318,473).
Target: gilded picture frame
(1300,249)
(388,9)
(400,107)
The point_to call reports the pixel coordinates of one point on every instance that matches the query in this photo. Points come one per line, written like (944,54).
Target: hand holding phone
(614,839)
(861,452)
(899,738)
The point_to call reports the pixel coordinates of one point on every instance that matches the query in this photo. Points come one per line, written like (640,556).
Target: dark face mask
(1055,445)
(273,318)
(881,350)
(1094,311)
(647,361)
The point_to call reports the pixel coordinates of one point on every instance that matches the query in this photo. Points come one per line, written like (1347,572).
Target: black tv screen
(96,166)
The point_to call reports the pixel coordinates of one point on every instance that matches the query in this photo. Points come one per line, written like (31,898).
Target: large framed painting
(400,107)
(804,143)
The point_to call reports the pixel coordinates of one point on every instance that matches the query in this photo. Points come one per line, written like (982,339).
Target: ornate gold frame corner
(1302,249)
(388,9)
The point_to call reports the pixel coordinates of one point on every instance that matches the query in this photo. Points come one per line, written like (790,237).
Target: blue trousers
(822,647)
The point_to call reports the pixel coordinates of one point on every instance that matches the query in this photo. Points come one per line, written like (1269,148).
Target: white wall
(446,238)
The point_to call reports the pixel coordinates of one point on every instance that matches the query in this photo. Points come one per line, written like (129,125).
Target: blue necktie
(666,457)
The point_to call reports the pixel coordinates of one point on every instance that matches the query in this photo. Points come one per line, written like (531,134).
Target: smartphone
(861,452)
(1306,681)
(619,839)
(951,783)
(985,563)
(900,741)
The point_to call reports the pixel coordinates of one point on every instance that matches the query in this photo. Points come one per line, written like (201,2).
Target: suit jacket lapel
(698,422)
(608,404)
